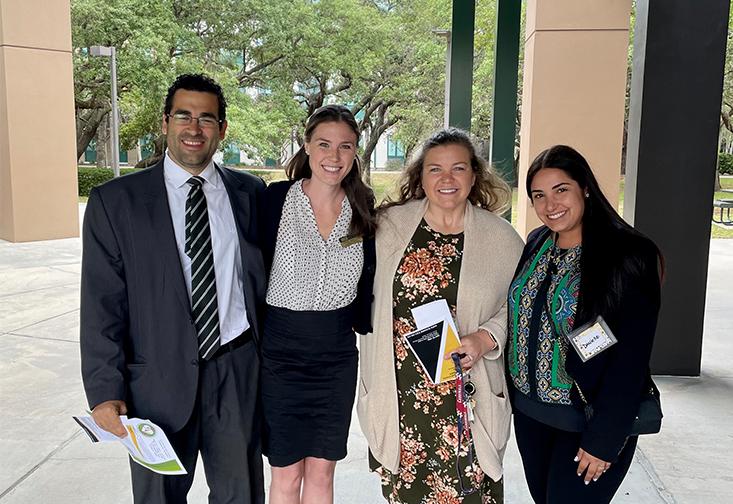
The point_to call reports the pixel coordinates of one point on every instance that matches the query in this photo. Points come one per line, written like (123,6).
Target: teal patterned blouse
(537,344)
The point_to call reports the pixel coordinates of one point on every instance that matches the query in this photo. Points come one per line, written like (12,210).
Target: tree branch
(246,75)
(343,86)
(725,119)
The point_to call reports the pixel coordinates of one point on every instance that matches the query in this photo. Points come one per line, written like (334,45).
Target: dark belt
(237,342)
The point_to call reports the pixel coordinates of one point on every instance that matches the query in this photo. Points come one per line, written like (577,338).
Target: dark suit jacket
(271,208)
(138,339)
(612,381)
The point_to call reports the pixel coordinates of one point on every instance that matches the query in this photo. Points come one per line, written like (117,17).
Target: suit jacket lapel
(252,265)
(156,202)
(240,200)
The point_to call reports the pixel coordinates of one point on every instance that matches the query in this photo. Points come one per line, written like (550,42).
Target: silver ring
(470,357)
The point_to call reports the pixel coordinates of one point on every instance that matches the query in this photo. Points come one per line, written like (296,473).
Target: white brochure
(146,443)
(430,314)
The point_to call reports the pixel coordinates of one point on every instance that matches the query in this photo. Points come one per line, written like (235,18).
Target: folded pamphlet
(435,336)
(146,443)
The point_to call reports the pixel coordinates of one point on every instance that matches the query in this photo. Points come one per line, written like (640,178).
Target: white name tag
(591,339)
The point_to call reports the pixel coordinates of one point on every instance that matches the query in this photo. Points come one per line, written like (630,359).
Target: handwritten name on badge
(592,341)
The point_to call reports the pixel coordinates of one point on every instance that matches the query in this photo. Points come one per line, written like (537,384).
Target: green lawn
(385,183)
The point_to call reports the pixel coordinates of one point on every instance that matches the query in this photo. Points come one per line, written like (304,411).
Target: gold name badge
(350,240)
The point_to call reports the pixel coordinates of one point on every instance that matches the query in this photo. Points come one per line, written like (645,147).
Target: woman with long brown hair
(576,389)
(318,245)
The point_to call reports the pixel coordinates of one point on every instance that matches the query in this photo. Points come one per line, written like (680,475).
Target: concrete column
(674,115)
(38,181)
(575,62)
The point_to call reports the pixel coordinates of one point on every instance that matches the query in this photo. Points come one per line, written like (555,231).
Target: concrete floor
(45,458)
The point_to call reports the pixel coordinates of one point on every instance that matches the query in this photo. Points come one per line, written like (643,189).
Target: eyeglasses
(204,121)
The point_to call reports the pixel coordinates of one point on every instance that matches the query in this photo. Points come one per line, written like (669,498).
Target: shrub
(394,164)
(90,177)
(725,163)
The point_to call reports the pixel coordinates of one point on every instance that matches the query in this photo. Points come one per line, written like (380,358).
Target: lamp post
(110,51)
(447,35)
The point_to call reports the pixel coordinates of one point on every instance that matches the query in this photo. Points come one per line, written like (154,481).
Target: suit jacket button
(194,363)
(190,319)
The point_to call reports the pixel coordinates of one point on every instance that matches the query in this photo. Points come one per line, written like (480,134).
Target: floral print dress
(429,270)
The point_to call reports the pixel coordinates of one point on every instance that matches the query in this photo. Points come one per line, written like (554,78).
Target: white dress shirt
(224,241)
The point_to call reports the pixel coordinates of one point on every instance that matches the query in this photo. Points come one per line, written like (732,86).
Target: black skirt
(308,383)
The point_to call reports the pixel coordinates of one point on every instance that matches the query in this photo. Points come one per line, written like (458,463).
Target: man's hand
(107,416)
(595,466)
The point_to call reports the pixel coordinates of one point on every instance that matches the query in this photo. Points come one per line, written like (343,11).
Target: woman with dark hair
(318,245)
(586,265)
(443,238)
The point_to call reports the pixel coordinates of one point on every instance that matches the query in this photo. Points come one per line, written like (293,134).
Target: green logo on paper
(146,429)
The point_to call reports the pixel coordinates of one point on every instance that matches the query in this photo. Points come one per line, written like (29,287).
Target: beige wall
(38,181)
(574,88)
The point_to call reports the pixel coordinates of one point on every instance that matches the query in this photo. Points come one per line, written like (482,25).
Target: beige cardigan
(490,253)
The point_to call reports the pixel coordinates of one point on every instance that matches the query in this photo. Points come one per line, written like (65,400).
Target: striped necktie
(203,280)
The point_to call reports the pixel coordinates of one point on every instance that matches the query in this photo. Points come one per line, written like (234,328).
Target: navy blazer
(137,335)
(271,207)
(613,380)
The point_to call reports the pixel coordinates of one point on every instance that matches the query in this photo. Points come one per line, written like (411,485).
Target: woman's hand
(475,346)
(595,466)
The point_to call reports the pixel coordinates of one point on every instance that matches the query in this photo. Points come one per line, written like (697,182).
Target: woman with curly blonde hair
(442,238)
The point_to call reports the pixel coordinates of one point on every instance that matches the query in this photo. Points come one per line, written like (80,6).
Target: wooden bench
(723,204)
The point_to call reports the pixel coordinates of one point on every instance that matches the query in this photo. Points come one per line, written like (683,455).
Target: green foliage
(483,73)
(726,112)
(148,38)
(725,163)
(278,60)
(90,177)
(260,127)
(420,94)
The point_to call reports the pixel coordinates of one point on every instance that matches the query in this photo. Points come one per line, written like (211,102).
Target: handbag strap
(648,385)
(580,392)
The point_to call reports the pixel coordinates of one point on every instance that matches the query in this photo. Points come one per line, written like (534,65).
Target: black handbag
(649,418)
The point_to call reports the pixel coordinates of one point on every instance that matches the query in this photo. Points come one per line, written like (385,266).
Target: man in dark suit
(172,281)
